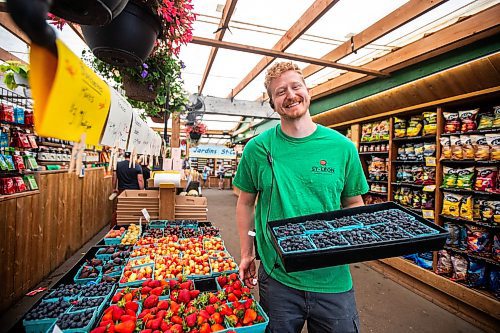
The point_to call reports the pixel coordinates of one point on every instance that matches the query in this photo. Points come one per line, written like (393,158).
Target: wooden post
(176,131)
(167,201)
(356,134)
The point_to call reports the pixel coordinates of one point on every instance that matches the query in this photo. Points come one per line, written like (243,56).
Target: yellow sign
(430,161)
(70,99)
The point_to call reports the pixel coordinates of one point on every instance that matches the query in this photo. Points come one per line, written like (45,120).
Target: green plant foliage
(9,68)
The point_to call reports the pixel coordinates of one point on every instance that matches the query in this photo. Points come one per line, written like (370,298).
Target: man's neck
(298,128)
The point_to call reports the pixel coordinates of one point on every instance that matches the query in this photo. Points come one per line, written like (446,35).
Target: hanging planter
(160,119)
(128,39)
(139,91)
(195,136)
(88,12)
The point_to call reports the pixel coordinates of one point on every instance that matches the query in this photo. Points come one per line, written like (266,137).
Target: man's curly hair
(279,68)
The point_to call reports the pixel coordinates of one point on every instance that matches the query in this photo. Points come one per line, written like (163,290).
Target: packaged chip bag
(454,234)
(429,149)
(468,120)
(430,123)
(451,122)
(410,152)
(366,132)
(481,147)
(493,141)
(459,264)
(466,208)
(485,121)
(476,273)
(486,210)
(462,242)
(444,266)
(419,151)
(456,148)
(476,210)
(446,148)
(416,199)
(383,128)
(399,127)
(496,120)
(414,126)
(429,176)
(467,148)
(427,201)
(494,281)
(486,178)
(450,177)
(465,178)
(478,239)
(496,212)
(451,204)
(495,252)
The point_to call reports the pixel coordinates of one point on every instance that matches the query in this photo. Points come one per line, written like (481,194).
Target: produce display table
(140,273)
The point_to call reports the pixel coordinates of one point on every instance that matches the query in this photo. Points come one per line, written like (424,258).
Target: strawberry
(100,329)
(260,319)
(217,327)
(222,280)
(146,290)
(232,297)
(210,309)
(237,284)
(174,284)
(233,277)
(154,284)
(204,314)
(117,297)
(176,319)
(132,306)
(250,316)
(194,293)
(216,318)
(225,310)
(205,328)
(158,291)
(164,326)
(232,320)
(191,319)
(213,299)
(150,302)
(155,324)
(186,285)
(125,327)
(200,320)
(127,318)
(237,293)
(163,305)
(174,306)
(177,328)
(248,303)
(184,296)
(143,313)
(128,297)
(148,330)
(117,312)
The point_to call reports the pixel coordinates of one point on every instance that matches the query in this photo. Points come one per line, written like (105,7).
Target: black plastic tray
(300,261)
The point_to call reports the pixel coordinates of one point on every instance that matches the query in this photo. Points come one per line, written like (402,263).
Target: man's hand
(248,271)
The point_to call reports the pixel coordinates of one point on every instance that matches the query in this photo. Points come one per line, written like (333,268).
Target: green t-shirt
(312,174)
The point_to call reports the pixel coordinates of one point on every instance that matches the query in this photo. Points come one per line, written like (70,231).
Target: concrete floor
(383,305)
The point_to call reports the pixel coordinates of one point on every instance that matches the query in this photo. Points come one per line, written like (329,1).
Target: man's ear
(271,103)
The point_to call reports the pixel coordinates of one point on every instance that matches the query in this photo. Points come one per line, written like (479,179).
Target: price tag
(429,188)
(428,214)
(57,329)
(146,214)
(430,161)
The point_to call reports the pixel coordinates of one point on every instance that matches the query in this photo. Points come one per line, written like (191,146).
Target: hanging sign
(70,99)
(212,152)
(117,128)
(138,134)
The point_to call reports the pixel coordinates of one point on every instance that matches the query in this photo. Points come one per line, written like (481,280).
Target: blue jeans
(289,308)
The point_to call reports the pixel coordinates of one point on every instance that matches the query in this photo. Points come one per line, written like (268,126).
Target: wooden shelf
(407,162)
(469,162)
(485,131)
(408,184)
(473,255)
(377,193)
(415,138)
(54,145)
(374,142)
(377,181)
(475,222)
(463,191)
(374,153)
(18,195)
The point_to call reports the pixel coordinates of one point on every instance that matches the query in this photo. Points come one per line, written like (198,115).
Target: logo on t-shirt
(323,168)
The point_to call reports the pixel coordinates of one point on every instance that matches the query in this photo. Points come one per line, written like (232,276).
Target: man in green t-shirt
(297,168)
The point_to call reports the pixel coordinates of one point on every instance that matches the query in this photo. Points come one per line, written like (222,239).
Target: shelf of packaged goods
(374,142)
(473,255)
(408,184)
(475,222)
(54,145)
(4,197)
(416,210)
(408,162)
(478,193)
(377,181)
(3,122)
(377,193)
(484,131)
(469,162)
(374,153)
(415,138)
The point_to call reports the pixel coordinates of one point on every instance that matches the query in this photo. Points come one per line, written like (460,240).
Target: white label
(146,214)
(57,329)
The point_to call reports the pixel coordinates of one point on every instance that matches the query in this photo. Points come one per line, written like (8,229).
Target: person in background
(146,173)
(297,168)
(220,174)
(186,164)
(205,174)
(193,182)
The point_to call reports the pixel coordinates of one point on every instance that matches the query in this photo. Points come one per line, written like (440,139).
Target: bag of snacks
(449,177)
(496,211)
(462,242)
(487,210)
(366,132)
(464,178)
(451,122)
(454,231)
(459,264)
(429,149)
(485,121)
(496,120)
(468,120)
(19,184)
(399,127)
(429,177)
(430,123)
(495,252)
(445,148)
(7,186)
(486,178)
(410,152)
(456,148)
(466,207)
(451,204)
(476,210)
(383,129)
(476,273)
(467,149)
(444,266)
(418,174)
(402,154)
(493,141)
(427,201)
(419,151)
(414,126)
(478,240)
(494,281)
(481,147)
(416,200)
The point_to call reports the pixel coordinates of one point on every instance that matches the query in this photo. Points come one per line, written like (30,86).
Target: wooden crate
(191,208)
(131,202)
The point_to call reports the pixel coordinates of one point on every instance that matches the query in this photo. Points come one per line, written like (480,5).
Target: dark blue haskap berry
(289,229)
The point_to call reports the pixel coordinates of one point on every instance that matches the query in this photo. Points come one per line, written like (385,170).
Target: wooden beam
(78,30)
(404,14)
(483,22)
(223,25)
(278,54)
(6,56)
(306,20)
(8,24)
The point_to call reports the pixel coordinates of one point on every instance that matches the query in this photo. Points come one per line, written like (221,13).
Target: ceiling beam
(480,25)
(226,106)
(305,21)
(279,54)
(402,15)
(7,56)
(223,25)
(8,24)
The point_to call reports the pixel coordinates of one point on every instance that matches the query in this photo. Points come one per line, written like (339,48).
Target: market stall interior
(415,85)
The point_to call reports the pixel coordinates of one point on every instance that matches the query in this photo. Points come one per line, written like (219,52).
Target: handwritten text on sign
(212,152)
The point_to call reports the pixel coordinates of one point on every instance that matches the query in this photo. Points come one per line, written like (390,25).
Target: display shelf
(475,222)
(414,138)
(2,122)
(377,193)
(409,184)
(481,193)
(54,145)
(374,153)
(4,197)
(469,162)
(374,142)
(485,131)
(407,162)
(377,181)
(472,255)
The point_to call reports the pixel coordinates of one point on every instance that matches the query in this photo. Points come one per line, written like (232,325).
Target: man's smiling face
(290,95)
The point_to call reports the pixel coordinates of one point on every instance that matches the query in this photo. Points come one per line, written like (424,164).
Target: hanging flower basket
(88,12)
(195,136)
(144,92)
(128,39)
(160,119)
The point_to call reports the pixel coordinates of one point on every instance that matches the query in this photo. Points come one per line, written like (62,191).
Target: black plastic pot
(195,136)
(128,39)
(88,12)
